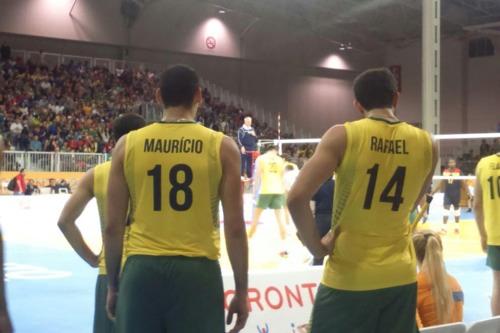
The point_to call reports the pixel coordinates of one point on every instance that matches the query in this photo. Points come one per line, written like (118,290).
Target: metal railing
(50,162)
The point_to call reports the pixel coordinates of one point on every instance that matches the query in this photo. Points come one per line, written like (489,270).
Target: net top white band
(463,136)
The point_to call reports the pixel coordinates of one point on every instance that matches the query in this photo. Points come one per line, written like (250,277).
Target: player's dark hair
(178,85)
(289,167)
(375,88)
(126,123)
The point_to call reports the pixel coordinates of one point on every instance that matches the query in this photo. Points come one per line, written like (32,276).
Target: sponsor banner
(279,301)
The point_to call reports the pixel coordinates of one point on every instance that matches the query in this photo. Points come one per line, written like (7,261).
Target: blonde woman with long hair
(440,298)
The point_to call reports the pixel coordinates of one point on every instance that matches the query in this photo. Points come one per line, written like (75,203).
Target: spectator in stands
(31,188)
(495,147)
(20,187)
(484,148)
(440,298)
(247,140)
(35,144)
(5,52)
(16,128)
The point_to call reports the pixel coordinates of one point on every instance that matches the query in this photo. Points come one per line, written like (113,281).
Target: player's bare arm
(428,180)
(320,167)
(72,210)
(234,231)
(118,199)
(479,214)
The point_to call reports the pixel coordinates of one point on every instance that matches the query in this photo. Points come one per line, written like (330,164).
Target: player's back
(272,171)
(378,181)
(488,174)
(173,172)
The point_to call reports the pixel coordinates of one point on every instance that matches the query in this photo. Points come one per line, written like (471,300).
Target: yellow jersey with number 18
(488,174)
(377,183)
(101,178)
(173,172)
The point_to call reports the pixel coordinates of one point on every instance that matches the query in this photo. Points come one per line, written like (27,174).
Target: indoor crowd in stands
(70,107)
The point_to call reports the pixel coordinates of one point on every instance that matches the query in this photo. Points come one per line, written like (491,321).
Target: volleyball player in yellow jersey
(382,167)
(270,189)
(175,173)
(487,211)
(94,184)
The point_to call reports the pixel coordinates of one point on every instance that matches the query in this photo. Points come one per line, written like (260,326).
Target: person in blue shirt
(323,207)
(247,140)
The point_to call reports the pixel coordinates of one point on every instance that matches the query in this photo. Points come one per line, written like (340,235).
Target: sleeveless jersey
(377,183)
(272,172)
(101,177)
(488,174)
(173,172)
(452,187)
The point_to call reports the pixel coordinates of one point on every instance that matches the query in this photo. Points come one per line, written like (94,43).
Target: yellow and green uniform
(102,324)
(488,175)
(272,186)
(173,172)
(378,181)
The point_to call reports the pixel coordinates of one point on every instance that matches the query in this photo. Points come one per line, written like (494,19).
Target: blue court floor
(51,291)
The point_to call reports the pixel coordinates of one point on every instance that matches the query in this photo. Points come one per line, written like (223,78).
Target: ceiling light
(222,11)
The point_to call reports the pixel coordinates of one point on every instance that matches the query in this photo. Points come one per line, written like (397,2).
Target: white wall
(470,100)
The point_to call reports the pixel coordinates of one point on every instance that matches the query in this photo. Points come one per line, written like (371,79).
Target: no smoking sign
(211,42)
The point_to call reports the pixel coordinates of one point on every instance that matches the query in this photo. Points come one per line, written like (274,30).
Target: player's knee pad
(457,212)
(446,211)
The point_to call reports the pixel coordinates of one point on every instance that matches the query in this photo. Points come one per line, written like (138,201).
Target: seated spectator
(484,149)
(35,144)
(31,188)
(440,298)
(63,184)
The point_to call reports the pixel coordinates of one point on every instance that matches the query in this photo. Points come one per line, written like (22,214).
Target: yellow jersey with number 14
(377,183)
(488,174)
(173,172)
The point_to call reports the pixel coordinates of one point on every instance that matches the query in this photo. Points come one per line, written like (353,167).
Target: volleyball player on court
(174,173)
(270,190)
(452,189)
(94,184)
(383,167)
(487,211)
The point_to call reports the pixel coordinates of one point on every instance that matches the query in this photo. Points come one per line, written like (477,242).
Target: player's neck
(178,114)
(386,114)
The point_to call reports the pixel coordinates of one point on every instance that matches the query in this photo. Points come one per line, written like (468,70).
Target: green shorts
(102,324)
(390,310)
(170,294)
(493,257)
(272,201)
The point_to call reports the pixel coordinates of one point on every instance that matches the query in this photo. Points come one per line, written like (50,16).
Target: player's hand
(243,150)
(111,301)
(238,306)
(484,244)
(329,240)
(5,323)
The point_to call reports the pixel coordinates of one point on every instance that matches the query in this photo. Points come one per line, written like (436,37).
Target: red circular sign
(211,43)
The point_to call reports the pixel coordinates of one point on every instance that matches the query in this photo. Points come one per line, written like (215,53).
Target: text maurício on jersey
(173,146)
